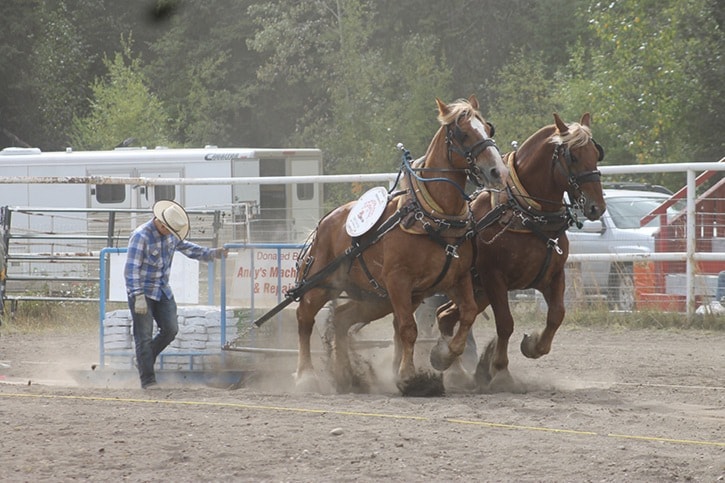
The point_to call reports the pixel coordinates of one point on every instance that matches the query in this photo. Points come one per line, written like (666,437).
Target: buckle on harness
(554,243)
(452,251)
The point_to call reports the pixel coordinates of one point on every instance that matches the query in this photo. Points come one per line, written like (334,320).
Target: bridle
(564,159)
(454,143)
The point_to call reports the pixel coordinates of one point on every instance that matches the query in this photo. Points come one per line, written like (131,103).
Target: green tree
(50,51)
(206,76)
(525,100)
(20,26)
(122,107)
(60,65)
(359,100)
(648,79)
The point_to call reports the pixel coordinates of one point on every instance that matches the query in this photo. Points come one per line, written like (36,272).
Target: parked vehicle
(617,231)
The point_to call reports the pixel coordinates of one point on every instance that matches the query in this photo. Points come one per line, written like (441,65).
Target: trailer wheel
(621,287)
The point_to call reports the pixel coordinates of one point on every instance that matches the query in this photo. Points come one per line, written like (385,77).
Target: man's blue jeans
(149,347)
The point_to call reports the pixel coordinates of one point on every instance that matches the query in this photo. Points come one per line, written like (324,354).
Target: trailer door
(305,198)
(109,196)
(245,198)
(245,168)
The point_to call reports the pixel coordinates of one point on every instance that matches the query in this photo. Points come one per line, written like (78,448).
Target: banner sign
(261,276)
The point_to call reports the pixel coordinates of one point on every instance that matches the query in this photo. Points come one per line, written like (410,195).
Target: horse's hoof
(306,382)
(424,384)
(483,369)
(528,346)
(503,381)
(441,356)
(458,379)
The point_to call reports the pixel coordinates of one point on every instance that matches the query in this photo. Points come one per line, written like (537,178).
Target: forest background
(355,77)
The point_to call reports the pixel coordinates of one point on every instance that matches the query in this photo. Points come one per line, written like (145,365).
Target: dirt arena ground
(605,405)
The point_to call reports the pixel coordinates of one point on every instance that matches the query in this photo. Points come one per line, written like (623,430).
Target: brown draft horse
(425,245)
(522,243)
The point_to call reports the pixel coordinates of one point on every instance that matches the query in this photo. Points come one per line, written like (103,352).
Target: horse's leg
(407,331)
(346,316)
(397,345)
(447,316)
(537,345)
(495,356)
(448,349)
(309,305)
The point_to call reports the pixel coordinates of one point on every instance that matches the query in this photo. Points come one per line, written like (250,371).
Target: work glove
(220,252)
(139,305)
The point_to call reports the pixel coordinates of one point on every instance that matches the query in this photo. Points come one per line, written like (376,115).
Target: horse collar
(425,211)
(525,210)
(516,188)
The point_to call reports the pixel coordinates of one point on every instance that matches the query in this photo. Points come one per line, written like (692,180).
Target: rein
(454,144)
(408,169)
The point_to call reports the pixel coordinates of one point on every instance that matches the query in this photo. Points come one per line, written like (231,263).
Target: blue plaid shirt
(149,258)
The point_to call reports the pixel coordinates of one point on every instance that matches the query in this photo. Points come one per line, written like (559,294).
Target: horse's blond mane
(577,135)
(456,109)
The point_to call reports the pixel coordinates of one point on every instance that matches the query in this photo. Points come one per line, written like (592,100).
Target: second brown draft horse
(522,240)
(424,246)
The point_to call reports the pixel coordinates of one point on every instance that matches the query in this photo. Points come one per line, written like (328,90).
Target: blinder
(589,176)
(600,149)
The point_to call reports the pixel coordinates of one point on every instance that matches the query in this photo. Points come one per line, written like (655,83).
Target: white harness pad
(366,211)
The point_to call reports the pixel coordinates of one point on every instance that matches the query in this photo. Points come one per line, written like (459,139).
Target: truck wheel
(621,287)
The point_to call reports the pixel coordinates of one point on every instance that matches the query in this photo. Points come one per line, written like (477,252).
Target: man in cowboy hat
(151,249)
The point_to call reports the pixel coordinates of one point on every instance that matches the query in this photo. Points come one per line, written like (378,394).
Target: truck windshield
(627,211)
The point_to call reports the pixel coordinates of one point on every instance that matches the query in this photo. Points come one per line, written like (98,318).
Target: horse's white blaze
(479,127)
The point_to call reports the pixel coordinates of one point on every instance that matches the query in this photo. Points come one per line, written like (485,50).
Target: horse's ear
(586,120)
(563,128)
(442,108)
(473,100)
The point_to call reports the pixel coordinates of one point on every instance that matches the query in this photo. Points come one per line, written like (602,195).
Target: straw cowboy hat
(173,216)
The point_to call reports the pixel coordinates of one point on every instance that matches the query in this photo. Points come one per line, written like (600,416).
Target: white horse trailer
(274,212)
(59,209)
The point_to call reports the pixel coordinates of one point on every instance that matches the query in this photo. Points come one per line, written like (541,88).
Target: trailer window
(305,191)
(110,193)
(164,192)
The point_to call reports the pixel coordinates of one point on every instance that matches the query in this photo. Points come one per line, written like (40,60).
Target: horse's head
(576,156)
(471,147)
